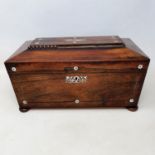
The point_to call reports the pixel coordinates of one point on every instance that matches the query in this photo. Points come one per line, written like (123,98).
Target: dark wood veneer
(38,70)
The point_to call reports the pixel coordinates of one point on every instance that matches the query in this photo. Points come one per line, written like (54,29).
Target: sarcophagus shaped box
(78,72)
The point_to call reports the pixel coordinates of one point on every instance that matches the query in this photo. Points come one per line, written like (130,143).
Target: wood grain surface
(114,78)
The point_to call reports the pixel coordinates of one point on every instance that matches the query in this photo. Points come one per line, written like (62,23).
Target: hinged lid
(77,42)
(78,49)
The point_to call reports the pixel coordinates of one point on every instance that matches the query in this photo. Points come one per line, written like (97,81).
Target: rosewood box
(78,72)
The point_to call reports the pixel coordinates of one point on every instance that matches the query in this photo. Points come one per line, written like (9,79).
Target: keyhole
(76,79)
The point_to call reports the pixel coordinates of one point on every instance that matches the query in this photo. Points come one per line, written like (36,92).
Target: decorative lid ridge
(77,42)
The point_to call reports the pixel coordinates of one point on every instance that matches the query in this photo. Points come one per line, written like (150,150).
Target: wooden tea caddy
(78,72)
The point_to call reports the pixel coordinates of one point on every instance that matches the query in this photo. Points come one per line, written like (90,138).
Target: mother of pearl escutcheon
(76,79)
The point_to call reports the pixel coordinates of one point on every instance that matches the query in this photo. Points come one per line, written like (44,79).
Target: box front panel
(77,90)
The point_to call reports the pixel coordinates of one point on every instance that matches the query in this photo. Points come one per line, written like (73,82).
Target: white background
(78,132)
